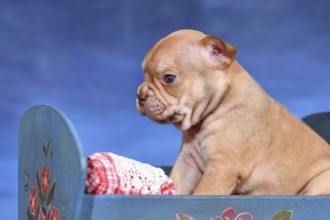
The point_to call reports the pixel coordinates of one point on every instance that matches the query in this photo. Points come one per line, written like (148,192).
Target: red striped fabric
(111,174)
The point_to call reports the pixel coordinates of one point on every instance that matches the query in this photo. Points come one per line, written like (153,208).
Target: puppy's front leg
(318,185)
(185,174)
(216,181)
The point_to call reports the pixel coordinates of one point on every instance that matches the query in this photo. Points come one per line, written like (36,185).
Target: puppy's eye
(168,78)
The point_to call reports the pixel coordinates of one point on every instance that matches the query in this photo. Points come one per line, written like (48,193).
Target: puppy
(236,139)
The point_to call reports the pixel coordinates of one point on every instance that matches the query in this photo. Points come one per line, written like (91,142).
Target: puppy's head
(185,78)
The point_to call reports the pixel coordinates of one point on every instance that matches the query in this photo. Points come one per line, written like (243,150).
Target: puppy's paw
(318,186)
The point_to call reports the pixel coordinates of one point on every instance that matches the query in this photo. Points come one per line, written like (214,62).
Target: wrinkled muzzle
(152,107)
(148,104)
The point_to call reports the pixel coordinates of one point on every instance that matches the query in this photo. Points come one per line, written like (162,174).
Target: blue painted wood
(320,122)
(48,139)
(202,207)
(167,169)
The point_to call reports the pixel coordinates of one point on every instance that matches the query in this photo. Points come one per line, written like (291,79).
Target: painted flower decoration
(228,214)
(33,201)
(54,214)
(231,214)
(45,179)
(41,215)
(40,205)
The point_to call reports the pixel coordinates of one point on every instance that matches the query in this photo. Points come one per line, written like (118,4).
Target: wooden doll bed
(49,146)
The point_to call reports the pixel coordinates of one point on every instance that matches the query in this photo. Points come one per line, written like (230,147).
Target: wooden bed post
(51,166)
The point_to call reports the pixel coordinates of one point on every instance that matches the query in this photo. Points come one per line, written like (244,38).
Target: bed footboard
(52,172)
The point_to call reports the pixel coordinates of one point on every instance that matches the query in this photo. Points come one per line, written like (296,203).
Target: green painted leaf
(44,210)
(41,196)
(38,181)
(46,149)
(26,175)
(283,215)
(29,215)
(48,214)
(48,145)
(50,194)
(26,187)
(37,216)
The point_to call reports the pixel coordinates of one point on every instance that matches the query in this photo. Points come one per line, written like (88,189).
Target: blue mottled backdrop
(84,57)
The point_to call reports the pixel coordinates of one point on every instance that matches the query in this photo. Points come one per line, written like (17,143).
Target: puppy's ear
(217,52)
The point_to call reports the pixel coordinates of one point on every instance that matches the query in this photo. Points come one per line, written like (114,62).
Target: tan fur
(236,139)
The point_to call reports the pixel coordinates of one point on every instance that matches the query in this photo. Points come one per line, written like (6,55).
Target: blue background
(84,57)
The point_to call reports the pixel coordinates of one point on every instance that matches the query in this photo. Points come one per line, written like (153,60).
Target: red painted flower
(33,201)
(230,214)
(54,214)
(41,215)
(45,180)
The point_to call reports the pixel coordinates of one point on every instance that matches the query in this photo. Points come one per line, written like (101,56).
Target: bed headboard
(43,132)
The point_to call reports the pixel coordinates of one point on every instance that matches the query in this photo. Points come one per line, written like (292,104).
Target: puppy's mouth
(154,109)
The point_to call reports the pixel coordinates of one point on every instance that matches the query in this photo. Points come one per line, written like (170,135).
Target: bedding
(108,173)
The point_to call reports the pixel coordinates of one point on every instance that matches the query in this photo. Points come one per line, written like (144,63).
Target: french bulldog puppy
(236,139)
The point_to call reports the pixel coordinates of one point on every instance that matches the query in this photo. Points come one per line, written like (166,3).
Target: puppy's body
(236,139)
